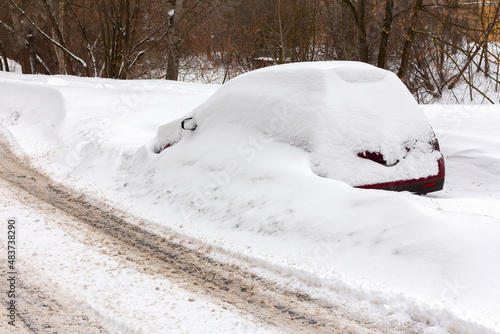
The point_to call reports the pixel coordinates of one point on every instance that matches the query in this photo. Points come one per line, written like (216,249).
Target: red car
(357,123)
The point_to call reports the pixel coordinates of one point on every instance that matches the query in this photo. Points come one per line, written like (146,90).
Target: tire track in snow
(193,270)
(40,313)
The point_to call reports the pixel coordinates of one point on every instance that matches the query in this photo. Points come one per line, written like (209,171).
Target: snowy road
(90,254)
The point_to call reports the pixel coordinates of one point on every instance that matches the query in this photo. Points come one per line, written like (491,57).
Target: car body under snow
(358,123)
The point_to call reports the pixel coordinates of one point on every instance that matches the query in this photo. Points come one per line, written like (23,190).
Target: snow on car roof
(351,98)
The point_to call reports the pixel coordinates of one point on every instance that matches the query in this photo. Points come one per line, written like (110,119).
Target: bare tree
(56,17)
(358,13)
(385,33)
(409,38)
(175,13)
(20,30)
(5,63)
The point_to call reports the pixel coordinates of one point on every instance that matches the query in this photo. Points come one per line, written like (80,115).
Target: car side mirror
(189,124)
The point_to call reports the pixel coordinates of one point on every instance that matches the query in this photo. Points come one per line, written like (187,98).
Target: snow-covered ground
(107,291)
(433,258)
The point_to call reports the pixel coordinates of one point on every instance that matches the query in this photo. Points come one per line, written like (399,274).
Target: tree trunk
(4,57)
(384,35)
(485,55)
(173,63)
(409,38)
(281,47)
(20,28)
(31,42)
(59,19)
(359,17)
(60,37)
(59,56)
(362,36)
(173,39)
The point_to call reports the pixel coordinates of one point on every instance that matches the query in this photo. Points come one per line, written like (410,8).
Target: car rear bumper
(418,186)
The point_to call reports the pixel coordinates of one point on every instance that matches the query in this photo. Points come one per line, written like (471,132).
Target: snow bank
(87,121)
(434,259)
(36,108)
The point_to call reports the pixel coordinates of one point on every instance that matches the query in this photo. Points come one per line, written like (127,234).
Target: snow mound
(41,104)
(333,110)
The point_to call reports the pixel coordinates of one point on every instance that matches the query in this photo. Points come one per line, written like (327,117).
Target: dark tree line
(431,44)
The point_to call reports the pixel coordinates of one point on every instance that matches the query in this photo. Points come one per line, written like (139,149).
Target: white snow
(435,259)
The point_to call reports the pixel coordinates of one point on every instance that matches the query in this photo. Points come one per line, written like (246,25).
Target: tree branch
(76,58)
(9,29)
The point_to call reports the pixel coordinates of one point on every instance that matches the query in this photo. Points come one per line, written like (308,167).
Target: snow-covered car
(358,123)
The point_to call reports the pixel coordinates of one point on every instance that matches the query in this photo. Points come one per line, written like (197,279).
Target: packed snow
(433,258)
